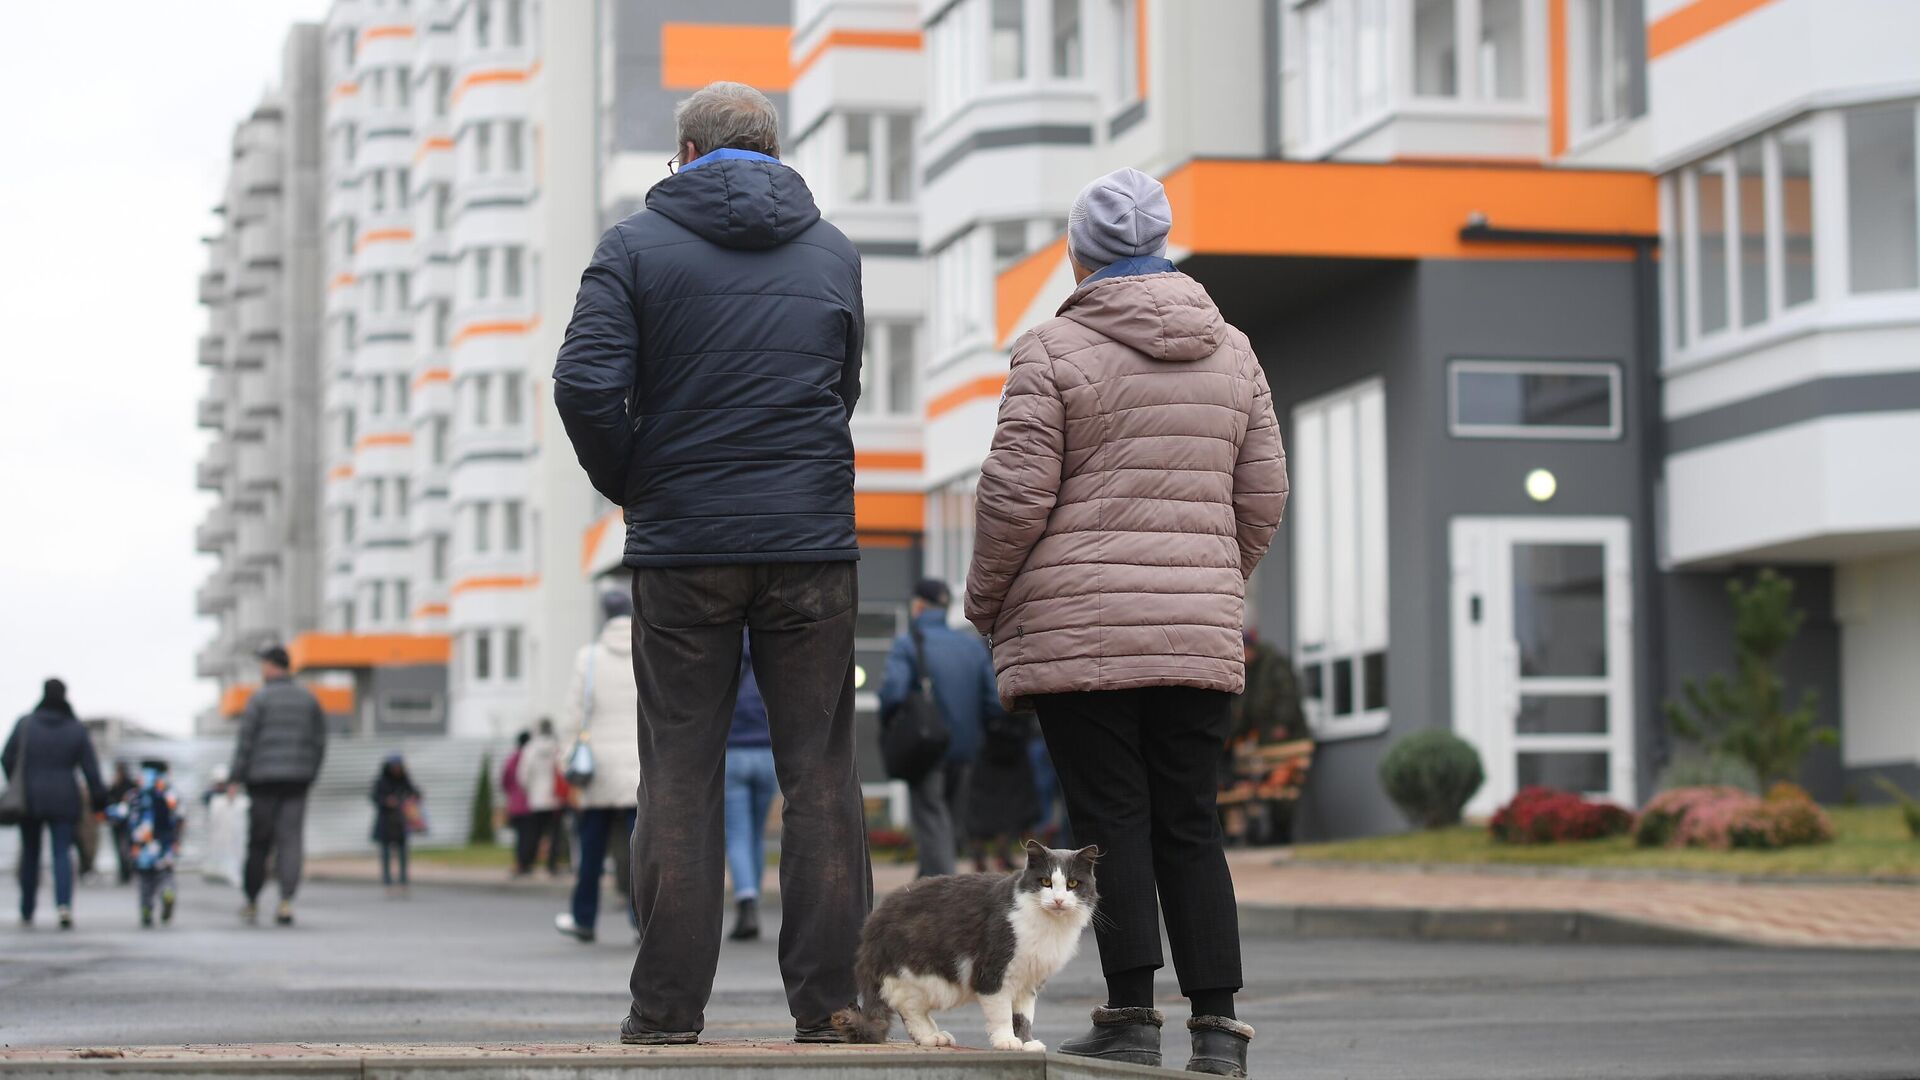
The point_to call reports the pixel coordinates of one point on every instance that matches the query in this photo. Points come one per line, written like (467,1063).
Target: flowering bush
(1724,817)
(1542,815)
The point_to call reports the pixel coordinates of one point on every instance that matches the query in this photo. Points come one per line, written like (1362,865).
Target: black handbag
(13,801)
(914,736)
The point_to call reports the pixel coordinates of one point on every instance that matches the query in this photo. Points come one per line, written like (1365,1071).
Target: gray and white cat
(996,939)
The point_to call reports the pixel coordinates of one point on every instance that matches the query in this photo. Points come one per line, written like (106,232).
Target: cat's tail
(867,1022)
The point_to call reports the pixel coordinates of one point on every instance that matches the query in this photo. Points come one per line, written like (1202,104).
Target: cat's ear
(1090,853)
(1036,849)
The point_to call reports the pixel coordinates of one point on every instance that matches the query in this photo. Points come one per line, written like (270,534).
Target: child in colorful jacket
(155,827)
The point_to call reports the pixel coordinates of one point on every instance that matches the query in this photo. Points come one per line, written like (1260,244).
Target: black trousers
(686,660)
(528,830)
(1139,768)
(276,829)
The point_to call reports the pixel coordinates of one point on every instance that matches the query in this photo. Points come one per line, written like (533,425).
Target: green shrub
(1909,806)
(480,832)
(1695,770)
(1430,775)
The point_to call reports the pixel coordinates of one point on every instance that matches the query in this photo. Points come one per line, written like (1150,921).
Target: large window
(1008,40)
(1341,49)
(1435,48)
(889,370)
(856,165)
(1883,218)
(1339,532)
(1607,61)
(877,149)
(1534,400)
(1068,40)
(1493,65)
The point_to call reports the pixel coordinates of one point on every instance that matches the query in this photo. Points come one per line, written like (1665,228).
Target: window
(1796,205)
(401,609)
(1749,165)
(1126,51)
(513,147)
(482,147)
(483,23)
(377,193)
(376,499)
(1502,58)
(511,391)
(1338,66)
(482,272)
(952,52)
(439,556)
(376,602)
(438,440)
(1008,40)
(1338,454)
(510,655)
(482,656)
(378,405)
(375,83)
(1606,58)
(1534,400)
(402,182)
(442,200)
(511,283)
(440,321)
(482,392)
(889,370)
(1883,221)
(1009,243)
(1068,63)
(902,369)
(856,165)
(347,522)
(510,520)
(401,493)
(403,291)
(1435,59)
(402,88)
(900,158)
(400,391)
(442,90)
(482,528)
(515,22)
(1710,208)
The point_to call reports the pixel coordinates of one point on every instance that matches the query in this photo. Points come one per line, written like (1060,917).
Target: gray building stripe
(490,455)
(998,138)
(484,204)
(1838,395)
(884,248)
(1127,118)
(375,339)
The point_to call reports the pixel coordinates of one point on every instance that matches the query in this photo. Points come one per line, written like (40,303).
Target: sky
(116,125)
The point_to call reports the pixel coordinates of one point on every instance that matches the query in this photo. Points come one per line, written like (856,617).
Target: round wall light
(1541,485)
(859,677)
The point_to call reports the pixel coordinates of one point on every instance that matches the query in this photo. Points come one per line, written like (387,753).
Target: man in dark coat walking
(706,382)
(46,748)
(283,738)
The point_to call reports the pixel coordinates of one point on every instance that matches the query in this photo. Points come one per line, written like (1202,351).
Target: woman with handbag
(40,757)
(396,815)
(601,728)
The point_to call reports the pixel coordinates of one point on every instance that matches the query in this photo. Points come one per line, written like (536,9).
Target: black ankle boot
(1220,1045)
(746,924)
(1129,1035)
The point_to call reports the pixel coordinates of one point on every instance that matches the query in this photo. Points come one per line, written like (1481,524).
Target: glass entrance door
(1542,659)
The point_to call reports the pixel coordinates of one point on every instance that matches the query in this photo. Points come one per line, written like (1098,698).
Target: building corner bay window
(1339,536)
(1341,50)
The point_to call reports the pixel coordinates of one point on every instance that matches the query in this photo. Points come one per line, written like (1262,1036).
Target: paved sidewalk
(1850,916)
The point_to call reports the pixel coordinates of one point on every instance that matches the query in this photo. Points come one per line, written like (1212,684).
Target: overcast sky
(116,126)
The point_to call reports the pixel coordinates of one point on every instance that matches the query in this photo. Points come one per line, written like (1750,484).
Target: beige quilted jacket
(1136,479)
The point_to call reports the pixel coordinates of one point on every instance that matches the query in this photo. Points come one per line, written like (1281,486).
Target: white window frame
(1124,16)
(1584,126)
(1611,371)
(876,371)
(1330,628)
(1467,22)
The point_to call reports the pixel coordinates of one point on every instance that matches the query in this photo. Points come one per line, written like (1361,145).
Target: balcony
(213,660)
(213,286)
(213,350)
(212,534)
(210,474)
(215,595)
(211,413)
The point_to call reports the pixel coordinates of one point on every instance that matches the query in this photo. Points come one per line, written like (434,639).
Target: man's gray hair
(728,114)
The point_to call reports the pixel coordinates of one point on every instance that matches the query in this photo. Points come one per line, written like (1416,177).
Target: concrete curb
(1515,927)
(716,1062)
(1595,873)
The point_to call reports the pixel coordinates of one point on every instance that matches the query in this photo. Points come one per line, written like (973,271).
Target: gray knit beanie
(1122,215)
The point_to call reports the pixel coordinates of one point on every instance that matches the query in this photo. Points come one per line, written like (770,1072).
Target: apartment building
(261,292)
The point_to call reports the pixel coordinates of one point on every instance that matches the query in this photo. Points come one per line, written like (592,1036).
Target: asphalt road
(454,965)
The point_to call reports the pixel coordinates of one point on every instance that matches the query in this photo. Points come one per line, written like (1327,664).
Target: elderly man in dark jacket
(283,738)
(46,748)
(706,382)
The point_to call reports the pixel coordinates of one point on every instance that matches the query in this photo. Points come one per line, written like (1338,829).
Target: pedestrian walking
(751,787)
(723,432)
(1003,803)
(539,779)
(601,713)
(155,825)
(42,754)
(396,817)
(227,812)
(963,688)
(283,739)
(122,785)
(519,817)
(1110,569)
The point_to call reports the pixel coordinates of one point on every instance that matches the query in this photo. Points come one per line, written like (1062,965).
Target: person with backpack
(961,673)
(46,747)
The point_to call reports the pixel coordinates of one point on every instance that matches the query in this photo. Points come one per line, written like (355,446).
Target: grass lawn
(1870,841)
(470,857)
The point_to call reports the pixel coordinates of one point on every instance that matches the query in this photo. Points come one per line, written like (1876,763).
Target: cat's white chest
(1043,943)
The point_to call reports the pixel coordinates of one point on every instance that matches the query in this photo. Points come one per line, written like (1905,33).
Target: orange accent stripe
(234,699)
(986,386)
(484,329)
(901,460)
(870,540)
(434,145)
(401,30)
(319,650)
(889,511)
(1140,43)
(695,54)
(1695,21)
(345,89)
(430,611)
(382,236)
(501,581)
(1017,285)
(335,700)
(494,75)
(1556,77)
(340,281)
(908,40)
(431,375)
(390,438)
(590,540)
(341,472)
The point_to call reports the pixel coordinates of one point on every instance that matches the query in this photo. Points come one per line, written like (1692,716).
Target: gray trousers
(686,659)
(276,828)
(154,884)
(937,806)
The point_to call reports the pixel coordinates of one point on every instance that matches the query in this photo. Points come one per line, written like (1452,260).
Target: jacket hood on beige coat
(1136,479)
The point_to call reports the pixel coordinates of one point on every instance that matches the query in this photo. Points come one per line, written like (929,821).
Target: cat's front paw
(1034,1046)
(938,1038)
(1008,1041)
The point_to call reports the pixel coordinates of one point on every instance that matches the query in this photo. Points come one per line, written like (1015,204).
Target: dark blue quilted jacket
(711,367)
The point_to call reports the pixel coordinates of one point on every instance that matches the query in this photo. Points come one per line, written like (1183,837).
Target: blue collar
(1134,267)
(727,153)
(931,617)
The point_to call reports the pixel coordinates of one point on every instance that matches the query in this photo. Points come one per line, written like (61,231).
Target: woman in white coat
(603,704)
(537,770)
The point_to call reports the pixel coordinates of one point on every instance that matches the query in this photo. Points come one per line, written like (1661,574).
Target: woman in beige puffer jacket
(1136,479)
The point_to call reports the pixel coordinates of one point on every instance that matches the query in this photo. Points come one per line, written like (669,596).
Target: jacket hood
(617,635)
(52,717)
(738,203)
(1168,316)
